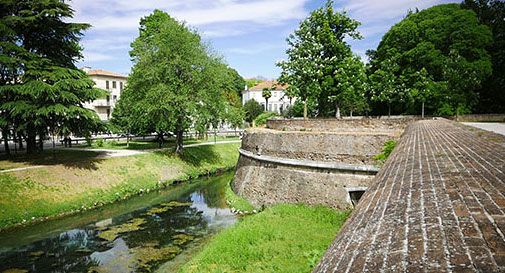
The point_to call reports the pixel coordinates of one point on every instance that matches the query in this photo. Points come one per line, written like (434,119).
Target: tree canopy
(176,81)
(492,92)
(443,46)
(316,52)
(41,90)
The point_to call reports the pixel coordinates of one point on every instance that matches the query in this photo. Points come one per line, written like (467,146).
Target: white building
(276,103)
(110,81)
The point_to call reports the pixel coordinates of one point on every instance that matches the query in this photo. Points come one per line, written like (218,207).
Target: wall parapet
(367,169)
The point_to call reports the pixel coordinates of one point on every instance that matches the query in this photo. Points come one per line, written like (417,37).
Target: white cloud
(255,49)
(91,57)
(126,14)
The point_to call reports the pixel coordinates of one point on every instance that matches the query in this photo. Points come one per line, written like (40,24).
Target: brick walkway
(437,205)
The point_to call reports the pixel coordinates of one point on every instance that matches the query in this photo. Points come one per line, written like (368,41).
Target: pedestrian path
(437,205)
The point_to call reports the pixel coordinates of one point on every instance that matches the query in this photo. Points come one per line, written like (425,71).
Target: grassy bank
(83,180)
(283,238)
(152,144)
(236,202)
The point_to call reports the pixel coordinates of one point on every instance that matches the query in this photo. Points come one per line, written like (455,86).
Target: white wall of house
(276,103)
(104,106)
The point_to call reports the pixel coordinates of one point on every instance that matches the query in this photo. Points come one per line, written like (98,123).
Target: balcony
(101,103)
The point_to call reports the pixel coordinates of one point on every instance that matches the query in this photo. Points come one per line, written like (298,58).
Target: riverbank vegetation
(282,238)
(88,180)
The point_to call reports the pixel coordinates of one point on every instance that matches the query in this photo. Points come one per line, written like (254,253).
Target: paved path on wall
(437,205)
(496,127)
(107,153)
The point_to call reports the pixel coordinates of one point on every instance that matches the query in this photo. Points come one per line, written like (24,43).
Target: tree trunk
(20,140)
(179,139)
(389,110)
(31,140)
(422,111)
(337,111)
(266,105)
(351,113)
(127,140)
(5,135)
(305,109)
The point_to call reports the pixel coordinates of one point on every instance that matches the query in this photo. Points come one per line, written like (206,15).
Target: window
(275,107)
(114,84)
(108,99)
(108,113)
(120,86)
(114,98)
(106,84)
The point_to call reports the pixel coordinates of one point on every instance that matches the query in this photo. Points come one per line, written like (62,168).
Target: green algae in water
(155,211)
(181,239)
(148,257)
(177,204)
(113,232)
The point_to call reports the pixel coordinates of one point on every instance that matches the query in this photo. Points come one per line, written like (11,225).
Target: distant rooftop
(269,84)
(101,72)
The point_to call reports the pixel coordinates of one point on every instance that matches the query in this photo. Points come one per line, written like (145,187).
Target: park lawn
(151,144)
(90,181)
(48,157)
(282,238)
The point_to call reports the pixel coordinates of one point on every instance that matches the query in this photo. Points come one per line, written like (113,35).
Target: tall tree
(315,51)
(351,86)
(44,90)
(266,94)
(449,43)
(492,92)
(175,81)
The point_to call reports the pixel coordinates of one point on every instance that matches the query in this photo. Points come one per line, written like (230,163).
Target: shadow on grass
(69,158)
(196,156)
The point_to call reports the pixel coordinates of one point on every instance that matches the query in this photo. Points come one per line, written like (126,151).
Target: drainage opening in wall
(355,195)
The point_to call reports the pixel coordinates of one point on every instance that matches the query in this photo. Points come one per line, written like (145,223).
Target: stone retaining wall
(337,125)
(305,166)
(345,147)
(265,183)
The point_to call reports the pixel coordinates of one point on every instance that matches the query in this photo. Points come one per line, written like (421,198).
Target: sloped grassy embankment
(70,181)
(282,238)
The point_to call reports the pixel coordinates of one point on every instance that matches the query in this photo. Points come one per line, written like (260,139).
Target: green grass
(149,144)
(236,202)
(87,181)
(283,238)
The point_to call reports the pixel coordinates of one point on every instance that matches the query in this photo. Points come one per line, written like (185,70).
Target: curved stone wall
(308,166)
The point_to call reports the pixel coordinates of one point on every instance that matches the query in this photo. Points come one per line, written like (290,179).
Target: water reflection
(130,241)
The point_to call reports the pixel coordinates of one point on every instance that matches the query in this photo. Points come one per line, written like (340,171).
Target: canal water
(136,235)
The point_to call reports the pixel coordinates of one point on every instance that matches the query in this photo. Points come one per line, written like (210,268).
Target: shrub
(252,110)
(262,119)
(388,147)
(99,142)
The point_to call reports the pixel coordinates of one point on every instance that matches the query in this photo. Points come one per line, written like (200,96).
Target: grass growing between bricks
(87,181)
(282,238)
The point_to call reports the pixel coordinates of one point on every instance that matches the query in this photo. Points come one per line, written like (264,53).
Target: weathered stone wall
(266,184)
(338,125)
(266,173)
(480,118)
(343,147)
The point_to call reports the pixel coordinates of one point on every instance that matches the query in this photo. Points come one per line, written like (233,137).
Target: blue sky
(250,34)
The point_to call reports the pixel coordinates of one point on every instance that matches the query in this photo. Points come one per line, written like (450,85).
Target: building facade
(114,83)
(277,103)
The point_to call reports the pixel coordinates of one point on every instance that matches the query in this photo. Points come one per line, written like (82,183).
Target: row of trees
(41,90)
(446,60)
(176,83)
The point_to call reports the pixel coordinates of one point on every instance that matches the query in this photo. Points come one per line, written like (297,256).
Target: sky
(249,34)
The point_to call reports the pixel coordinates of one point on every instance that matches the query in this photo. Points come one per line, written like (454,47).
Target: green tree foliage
(237,81)
(252,82)
(492,92)
(316,50)
(252,109)
(351,86)
(41,90)
(449,44)
(176,82)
